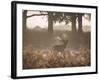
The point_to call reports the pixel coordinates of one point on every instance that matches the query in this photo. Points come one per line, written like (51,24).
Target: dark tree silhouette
(66,17)
(80,22)
(73,20)
(50,19)
(50,15)
(50,22)
(24,19)
(25,16)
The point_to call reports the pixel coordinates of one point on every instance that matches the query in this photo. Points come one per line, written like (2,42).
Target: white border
(21,72)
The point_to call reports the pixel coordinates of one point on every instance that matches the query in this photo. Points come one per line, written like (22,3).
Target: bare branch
(35,15)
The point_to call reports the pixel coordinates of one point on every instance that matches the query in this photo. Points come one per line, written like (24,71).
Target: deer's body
(60,48)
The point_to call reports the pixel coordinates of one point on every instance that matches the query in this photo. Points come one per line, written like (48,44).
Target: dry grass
(48,58)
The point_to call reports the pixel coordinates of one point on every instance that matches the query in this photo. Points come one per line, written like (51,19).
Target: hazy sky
(42,22)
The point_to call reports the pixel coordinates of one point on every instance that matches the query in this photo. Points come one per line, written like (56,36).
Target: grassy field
(38,50)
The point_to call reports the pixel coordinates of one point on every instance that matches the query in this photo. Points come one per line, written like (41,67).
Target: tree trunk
(50,22)
(79,23)
(73,18)
(24,19)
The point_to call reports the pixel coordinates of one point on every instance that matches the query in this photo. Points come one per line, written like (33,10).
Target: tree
(52,16)
(80,22)
(73,20)
(71,17)
(25,16)
(24,19)
(50,22)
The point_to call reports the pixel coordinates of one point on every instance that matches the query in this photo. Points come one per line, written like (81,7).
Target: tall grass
(48,58)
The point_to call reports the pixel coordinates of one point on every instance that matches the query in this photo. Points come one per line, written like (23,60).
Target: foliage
(48,58)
